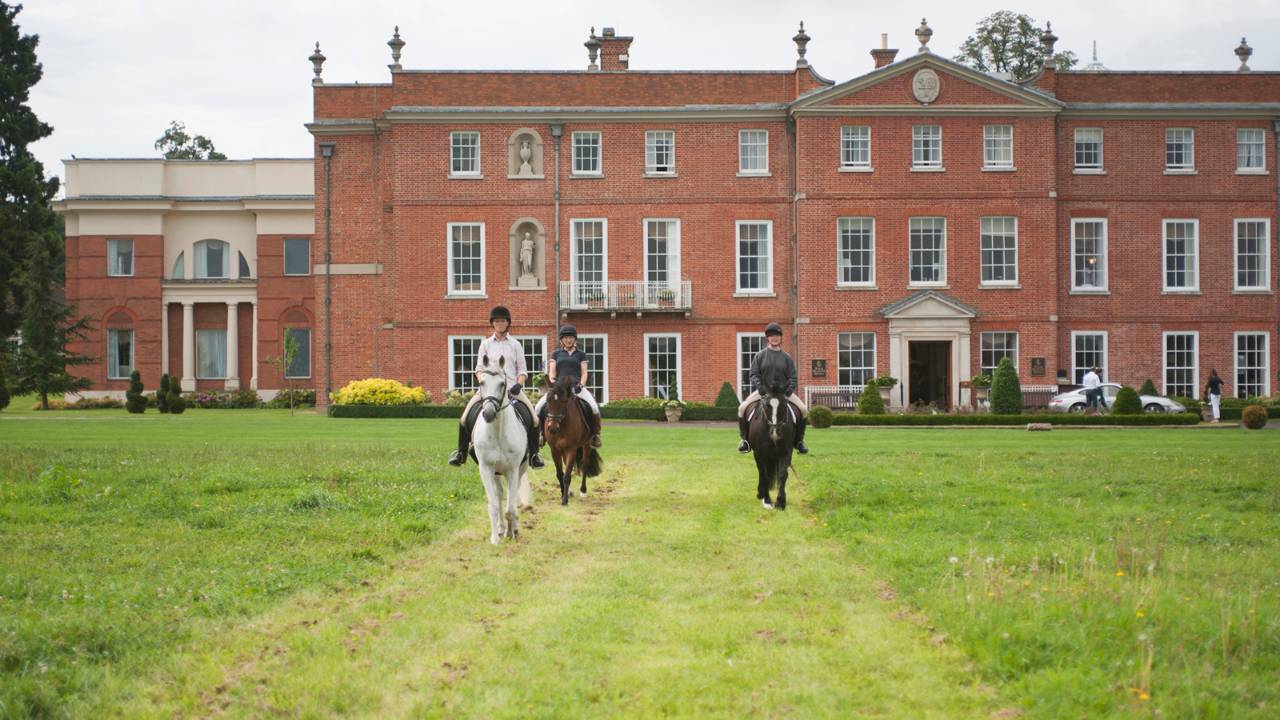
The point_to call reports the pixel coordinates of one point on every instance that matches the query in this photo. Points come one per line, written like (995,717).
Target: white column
(188,347)
(897,367)
(253,377)
(164,338)
(233,347)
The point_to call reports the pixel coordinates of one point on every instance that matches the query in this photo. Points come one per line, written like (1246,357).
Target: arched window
(179,268)
(119,346)
(212,258)
(244,267)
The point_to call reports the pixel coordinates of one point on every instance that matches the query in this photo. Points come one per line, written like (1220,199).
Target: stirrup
(458,458)
(535,461)
(802,448)
(744,446)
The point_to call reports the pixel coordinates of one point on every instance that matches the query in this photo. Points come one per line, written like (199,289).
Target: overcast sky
(116,72)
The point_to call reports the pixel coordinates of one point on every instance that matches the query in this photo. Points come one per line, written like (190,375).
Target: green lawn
(254,563)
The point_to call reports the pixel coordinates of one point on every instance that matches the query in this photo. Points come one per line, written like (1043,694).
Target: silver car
(1074,401)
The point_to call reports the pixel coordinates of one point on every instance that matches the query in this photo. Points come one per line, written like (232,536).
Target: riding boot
(595,427)
(743,445)
(801,424)
(459,456)
(534,460)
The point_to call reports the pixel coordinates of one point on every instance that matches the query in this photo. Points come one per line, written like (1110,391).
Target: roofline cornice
(566,114)
(1171,110)
(923,110)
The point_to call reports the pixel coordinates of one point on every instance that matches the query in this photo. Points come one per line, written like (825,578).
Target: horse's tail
(591,467)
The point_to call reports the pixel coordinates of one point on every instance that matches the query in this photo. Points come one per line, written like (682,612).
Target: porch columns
(253,376)
(164,338)
(233,347)
(188,347)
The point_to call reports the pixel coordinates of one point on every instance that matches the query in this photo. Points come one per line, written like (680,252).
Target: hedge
(395,411)
(703,414)
(986,419)
(1236,413)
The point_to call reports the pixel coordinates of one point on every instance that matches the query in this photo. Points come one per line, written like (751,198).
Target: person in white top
(1093,389)
(499,345)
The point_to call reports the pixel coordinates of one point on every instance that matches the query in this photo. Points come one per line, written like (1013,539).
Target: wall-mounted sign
(819,368)
(1037,366)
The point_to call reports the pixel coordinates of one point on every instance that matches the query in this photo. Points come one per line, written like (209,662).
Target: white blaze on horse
(501,445)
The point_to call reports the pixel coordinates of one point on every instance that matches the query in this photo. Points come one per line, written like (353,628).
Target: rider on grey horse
(497,345)
(773,367)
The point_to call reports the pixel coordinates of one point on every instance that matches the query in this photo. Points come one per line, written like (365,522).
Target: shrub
(1006,391)
(644,402)
(1148,388)
(1191,404)
(987,419)
(870,402)
(301,398)
(395,411)
(245,398)
(177,404)
(380,391)
(1254,417)
(886,381)
(457,398)
(134,401)
(728,397)
(1127,402)
(821,416)
(162,396)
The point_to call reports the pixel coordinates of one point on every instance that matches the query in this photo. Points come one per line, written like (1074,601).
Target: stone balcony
(626,296)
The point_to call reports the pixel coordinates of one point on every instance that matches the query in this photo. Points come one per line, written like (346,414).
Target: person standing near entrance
(1093,389)
(770,367)
(1213,390)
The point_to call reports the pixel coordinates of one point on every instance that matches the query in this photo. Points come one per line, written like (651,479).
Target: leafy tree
(25,192)
(1127,402)
(4,383)
(134,401)
(1148,388)
(1009,42)
(177,144)
(728,397)
(870,402)
(1006,391)
(290,355)
(48,325)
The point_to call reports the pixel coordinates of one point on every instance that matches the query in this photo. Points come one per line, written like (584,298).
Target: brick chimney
(615,50)
(884,54)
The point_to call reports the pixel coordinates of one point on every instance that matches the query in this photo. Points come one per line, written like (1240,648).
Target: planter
(673,414)
(981,393)
(885,393)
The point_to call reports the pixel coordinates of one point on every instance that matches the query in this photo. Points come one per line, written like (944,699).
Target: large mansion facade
(922,220)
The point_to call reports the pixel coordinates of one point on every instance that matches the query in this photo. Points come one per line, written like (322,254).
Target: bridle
(498,405)
(772,419)
(558,416)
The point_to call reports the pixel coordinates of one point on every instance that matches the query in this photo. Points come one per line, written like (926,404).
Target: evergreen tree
(1009,42)
(48,324)
(134,401)
(870,402)
(176,144)
(25,192)
(1006,391)
(177,404)
(727,396)
(4,383)
(162,395)
(1148,388)
(1127,402)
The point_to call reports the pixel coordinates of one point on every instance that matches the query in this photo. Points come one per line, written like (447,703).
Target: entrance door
(930,373)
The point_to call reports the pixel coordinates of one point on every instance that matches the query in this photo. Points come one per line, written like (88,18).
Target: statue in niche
(526,152)
(527,246)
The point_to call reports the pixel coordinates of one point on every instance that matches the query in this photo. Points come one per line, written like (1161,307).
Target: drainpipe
(793,134)
(1275,126)
(557,132)
(326,152)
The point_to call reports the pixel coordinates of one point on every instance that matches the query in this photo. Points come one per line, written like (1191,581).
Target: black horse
(771,433)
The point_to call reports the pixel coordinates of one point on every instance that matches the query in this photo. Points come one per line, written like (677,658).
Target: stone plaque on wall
(819,368)
(1037,366)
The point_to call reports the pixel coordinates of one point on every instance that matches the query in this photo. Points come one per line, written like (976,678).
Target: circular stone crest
(925,86)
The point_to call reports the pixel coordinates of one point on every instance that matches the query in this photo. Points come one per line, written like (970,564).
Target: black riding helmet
(499,312)
(772,328)
(568,331)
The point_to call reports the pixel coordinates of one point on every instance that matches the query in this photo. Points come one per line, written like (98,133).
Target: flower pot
(673,414)
(981,393)
(885,393)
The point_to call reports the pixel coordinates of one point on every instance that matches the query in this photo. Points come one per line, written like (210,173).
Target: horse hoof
(493,540)
(581,494)
(766,505)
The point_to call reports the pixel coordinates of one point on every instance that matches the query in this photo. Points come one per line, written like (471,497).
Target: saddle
(751,413)
(522,412)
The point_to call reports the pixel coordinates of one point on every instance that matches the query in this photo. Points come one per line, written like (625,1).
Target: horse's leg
(494,493)
(560,476)
(566,485)
(513,510)
(526,490)
(766,478)
(582,470)
(784,465)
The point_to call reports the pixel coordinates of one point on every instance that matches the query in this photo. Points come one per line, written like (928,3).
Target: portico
(216,355)
(929,339)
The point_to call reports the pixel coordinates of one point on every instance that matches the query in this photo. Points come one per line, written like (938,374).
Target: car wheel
(1078,408)
(1153,408)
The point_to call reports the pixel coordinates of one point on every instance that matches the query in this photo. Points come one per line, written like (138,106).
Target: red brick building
(922,220)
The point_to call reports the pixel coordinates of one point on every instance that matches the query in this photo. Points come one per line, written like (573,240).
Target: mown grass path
(666,592)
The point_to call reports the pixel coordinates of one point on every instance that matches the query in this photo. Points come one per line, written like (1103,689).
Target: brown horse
(568,433)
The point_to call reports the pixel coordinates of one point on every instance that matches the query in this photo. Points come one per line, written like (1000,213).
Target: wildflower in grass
(1119,573)
(1141,614)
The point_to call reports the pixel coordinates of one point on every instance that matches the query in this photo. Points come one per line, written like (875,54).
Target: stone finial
(1243,52)
(1047,41)
(923,33)
(317,62)
(593,49)
(396,45)
(801,40)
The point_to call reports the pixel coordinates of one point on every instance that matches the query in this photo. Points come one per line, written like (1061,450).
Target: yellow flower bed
(380,391)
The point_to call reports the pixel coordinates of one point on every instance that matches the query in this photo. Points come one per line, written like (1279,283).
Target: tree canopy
(1009,42)
(177,144)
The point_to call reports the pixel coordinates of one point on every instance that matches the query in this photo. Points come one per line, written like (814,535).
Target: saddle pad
(791,408)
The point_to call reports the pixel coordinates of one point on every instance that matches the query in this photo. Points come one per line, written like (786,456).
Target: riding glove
(515,390)
(577,389)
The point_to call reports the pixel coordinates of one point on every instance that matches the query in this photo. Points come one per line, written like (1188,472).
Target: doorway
(929,373)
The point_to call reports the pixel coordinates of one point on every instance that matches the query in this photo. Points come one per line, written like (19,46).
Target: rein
(498,405)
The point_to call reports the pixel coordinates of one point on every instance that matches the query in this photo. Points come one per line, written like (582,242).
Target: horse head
(493,387)
(558,399)
(776,413)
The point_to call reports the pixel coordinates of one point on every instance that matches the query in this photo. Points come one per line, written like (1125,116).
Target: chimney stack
(615,50)
(884,55)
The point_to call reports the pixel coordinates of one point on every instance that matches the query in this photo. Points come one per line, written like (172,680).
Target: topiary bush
(162,397)
(380,391)
(821,416)
(1006,391)
(1254,417)
(1148,388)
(1127,402)
(727,397)
(870,402)
(134,401)
(177,404)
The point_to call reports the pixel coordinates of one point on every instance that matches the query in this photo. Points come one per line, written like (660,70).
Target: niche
(524,155)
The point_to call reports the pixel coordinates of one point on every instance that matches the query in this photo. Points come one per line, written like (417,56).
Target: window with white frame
(926,146)
(928,251)
(297,256)
(1179,149)
(119,258)
(660,152)
(753,152)
(466,258)
(179,267)
(856,357)
(462,362)
(755,256)
(996,346)
(1181,252)
(596,348)
(1181,363)
(464,152)
(301,365)
(1251,150)
(661,257)
(1253,256)
(1088,150)
(661,365)
(1088,254)
(1088,350)
(856,251)
(535,353)
(212,259)
(997,146)
(855,147)
(119,354)
(999,253)
(1252,359)
(245,273)
(211,354)
(749,344)
(586,152)
(588,241)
